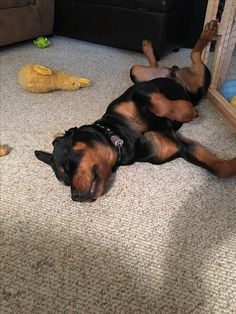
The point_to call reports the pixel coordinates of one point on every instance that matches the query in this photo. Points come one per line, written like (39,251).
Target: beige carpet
(162,240)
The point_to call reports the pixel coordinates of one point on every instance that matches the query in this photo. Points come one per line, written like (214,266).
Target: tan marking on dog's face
(99,155)
(129,111)
(62,169)
(79,146)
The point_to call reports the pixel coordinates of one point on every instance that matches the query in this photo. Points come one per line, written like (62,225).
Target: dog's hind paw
(210,30)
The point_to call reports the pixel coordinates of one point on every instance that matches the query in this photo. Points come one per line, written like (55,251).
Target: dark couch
(124,23)
(25,19)
(195,21)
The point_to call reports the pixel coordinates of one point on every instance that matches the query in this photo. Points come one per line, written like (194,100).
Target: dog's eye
(73,84)
(66,165)
(62,169)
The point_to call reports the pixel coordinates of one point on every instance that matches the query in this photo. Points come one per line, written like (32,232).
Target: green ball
(42,42)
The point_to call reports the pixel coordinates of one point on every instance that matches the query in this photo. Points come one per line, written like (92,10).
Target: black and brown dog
(139,126)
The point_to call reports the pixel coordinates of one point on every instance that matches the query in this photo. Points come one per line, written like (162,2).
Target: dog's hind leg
(149,53)
(161,148)
(156,148)
(142,73)
(207,35)
(194,77)
(197,154)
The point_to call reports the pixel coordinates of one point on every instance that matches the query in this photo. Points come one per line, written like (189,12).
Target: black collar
(114,139)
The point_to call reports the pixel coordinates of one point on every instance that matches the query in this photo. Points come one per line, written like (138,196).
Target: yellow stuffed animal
(4,150)
(233,101)
(37,78)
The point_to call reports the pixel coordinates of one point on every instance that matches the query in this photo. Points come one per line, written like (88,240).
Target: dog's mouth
(94,185)
(93,189)
(91,193)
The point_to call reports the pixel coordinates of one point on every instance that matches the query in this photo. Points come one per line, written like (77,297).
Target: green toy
(42,42)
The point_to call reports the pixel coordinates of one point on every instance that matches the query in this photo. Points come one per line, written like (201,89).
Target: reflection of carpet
(231,75)
(162,240)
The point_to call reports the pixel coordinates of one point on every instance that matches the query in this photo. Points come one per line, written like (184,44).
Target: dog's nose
(75,195)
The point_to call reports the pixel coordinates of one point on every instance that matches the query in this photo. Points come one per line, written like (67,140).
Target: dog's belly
(152,73)
(162,72)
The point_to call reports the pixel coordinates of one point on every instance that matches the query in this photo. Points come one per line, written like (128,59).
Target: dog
(139,126)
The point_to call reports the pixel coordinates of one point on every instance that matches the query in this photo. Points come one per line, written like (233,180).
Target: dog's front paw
(183,111)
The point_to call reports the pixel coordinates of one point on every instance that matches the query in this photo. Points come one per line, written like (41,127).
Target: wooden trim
(223,106)
(226,39)
(210,15)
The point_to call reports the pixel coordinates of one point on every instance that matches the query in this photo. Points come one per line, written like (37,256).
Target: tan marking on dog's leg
(221,168)
(198,155)
(164,148)
(193,77)
(142,73)
(149,53)
(207,35)
(130,112)
(178,110)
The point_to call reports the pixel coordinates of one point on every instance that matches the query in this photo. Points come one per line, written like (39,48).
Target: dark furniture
(25,19)
(195,21)
(124,23)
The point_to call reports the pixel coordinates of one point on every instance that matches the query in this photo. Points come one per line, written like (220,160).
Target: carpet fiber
(162,240)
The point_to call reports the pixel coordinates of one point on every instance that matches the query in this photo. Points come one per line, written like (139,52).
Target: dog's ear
(58,134)
(72,131)
(65,138)
(45,157)
(48,159)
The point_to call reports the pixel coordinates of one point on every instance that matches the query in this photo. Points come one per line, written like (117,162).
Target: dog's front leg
(178,110)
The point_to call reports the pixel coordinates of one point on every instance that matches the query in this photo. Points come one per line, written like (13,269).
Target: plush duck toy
(37,78)
(233,101)
(4,150)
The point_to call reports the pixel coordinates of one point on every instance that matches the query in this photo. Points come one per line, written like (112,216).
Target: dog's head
(83,160)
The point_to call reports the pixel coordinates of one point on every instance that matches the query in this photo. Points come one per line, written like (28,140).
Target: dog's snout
(75,195)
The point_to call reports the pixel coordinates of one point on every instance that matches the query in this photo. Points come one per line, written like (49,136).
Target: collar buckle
(114,139)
